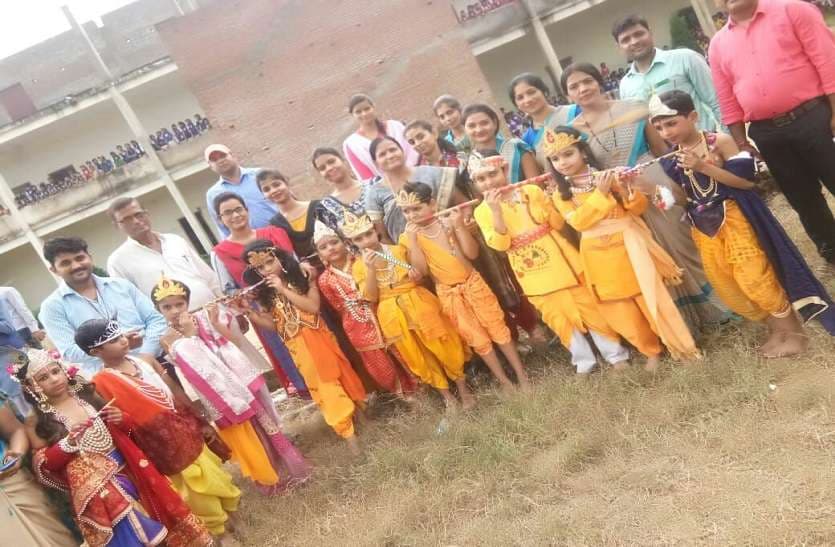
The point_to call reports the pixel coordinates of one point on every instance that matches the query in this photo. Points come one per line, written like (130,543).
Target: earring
(74,385)
(42,400)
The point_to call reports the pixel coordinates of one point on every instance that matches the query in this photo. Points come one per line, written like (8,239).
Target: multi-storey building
(273,77)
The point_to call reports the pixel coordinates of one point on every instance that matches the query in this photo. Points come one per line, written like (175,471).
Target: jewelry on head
(353,225)
(556,142)
(168,287)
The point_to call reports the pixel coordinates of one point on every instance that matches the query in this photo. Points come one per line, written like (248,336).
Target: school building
(272,76)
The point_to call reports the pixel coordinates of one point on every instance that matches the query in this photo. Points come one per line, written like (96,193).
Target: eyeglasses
(136,217)
(232,212)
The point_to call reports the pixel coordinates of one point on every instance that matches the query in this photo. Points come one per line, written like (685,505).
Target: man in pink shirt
(773,65)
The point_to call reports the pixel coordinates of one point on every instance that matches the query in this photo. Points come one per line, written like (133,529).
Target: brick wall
(275,75)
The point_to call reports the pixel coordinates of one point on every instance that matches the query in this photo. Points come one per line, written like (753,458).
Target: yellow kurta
(738,268)
(547,266)
(208,491)
(627,271)
(410,318)
(465,298)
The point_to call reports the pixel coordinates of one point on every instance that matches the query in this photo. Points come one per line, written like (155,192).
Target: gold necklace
(698,189)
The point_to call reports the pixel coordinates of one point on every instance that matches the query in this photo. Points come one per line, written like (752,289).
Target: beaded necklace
(359,309)
(95,438)
(696,186)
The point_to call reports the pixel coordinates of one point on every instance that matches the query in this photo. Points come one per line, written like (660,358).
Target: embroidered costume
(748,258)
(550,272)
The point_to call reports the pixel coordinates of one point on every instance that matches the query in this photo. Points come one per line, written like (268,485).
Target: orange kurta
(410,317)
(333,384)
(465,298)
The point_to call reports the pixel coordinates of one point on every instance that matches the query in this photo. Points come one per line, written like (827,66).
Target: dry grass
(736,450)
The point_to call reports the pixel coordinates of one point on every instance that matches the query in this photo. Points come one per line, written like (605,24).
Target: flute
(230,297)
(391,259)
(444,212)
(620,170)
(539,180)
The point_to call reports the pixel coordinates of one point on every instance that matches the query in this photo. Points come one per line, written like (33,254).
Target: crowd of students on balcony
(101,166)
(180,132)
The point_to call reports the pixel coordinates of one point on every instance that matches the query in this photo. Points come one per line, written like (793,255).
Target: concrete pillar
(7,199)
(141,134)
(705,16)
(544,41)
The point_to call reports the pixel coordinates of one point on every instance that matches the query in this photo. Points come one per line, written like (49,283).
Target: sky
(27,22)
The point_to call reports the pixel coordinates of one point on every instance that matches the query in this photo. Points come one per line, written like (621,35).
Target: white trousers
(582,354)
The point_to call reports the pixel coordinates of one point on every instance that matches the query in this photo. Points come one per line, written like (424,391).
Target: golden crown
(168,287)
(406,199)
(478,163)
(256,259)
(353,225)
(555,142)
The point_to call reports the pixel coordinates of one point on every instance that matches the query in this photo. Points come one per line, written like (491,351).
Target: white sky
(27,22)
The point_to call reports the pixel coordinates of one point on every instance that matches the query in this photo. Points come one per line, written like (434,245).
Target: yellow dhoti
(333,384)
(208,491)
(248,452)
(738,268)
(573,308)
(428,343)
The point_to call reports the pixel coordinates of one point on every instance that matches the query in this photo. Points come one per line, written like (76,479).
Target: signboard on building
(485,19)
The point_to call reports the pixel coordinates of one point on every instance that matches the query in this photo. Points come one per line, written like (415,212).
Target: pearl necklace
(95,438)
(358,308)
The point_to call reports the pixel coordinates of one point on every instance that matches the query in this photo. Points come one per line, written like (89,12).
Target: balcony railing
(89,193)
(186,152)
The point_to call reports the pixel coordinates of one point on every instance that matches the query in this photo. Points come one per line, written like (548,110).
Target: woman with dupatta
(348,193)
(27,519)
(85,448)
(229,266)
(529,93)
(166,428)
(391,160)
(234,396)
(295,217)
(620,136)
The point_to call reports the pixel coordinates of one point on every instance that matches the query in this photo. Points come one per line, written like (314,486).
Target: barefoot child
(523,223)
(750,261)
(166,429)
(203,348)
(624,266)
(293,304)
(359,320)
(445,255)
(410,316)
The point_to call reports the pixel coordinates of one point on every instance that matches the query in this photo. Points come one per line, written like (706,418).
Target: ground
(733,450)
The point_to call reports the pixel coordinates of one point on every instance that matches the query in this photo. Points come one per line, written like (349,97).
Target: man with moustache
(146,255)
(773,64)
(83,295)
(654,71)
(239,180)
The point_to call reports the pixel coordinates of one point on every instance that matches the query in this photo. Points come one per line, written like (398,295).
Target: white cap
(658,109)
(215,148)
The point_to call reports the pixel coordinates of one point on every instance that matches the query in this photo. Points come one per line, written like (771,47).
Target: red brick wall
(275,75)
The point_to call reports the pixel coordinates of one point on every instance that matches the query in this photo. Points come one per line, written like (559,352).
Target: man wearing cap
(239,180)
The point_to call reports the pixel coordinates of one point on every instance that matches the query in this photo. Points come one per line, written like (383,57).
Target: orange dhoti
(333,384)
(738,268)
(475,313)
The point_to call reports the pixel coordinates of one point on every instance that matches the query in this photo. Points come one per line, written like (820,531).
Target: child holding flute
(444,250)
(410,316)
(523,223)
(625,268)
